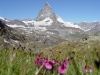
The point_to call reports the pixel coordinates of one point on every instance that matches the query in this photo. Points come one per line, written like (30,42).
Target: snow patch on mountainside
(2,18)
(14,26)
(5,19)
(46,22)
(67,24)
(29,22)
(39,25)
(5,41)
(90,28)
(60,20)
(40,28)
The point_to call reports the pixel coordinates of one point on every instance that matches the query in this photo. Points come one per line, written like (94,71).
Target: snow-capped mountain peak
(47,4)
(45,12)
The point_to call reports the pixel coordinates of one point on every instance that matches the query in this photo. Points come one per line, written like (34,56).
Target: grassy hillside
(81,59)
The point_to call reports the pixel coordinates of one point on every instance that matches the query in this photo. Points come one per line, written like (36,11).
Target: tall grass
(17,62)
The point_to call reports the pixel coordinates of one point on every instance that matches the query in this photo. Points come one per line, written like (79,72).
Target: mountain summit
(46,12)
(48,18)
(47,4)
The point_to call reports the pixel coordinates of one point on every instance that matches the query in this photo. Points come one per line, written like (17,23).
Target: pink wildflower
(87,69)
(65,63)
(54,61)
(90,69)
(48,64)
(63,67)
(39,61)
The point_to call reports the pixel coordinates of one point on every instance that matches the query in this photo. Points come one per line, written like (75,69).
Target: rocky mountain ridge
(33,41)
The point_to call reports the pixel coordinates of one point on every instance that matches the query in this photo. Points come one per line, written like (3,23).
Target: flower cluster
(51,64)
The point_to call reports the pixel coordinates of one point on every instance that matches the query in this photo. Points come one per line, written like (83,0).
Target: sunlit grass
(17,62)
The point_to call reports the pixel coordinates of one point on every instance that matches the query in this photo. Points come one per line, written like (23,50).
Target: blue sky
(68,10)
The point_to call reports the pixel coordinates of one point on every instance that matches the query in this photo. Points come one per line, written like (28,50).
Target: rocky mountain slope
(9,34)
(90,27)
(17,38)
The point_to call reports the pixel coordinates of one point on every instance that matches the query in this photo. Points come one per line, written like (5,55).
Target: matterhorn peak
(45,13)
(47,4)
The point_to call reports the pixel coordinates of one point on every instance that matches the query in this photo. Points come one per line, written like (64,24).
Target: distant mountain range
(50,24)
